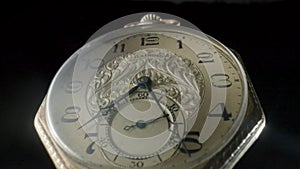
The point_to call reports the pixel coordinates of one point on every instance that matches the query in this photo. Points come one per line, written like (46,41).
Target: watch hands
(111,105)
(124,95)
(146,82)
(142,124)
(93,118)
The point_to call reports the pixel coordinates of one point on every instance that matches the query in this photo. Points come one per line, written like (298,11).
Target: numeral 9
(71,114)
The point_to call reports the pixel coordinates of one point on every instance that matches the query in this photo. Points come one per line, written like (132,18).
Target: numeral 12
(151,40)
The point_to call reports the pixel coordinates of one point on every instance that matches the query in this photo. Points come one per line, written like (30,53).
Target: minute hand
(110,105)
(157,102)
(127,94)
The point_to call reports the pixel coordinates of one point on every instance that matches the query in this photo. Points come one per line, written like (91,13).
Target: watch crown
(150,18)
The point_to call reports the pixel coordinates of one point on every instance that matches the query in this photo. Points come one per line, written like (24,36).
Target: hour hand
(142,124)
(146,83)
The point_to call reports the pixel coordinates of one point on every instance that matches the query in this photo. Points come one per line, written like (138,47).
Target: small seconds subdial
(147,126)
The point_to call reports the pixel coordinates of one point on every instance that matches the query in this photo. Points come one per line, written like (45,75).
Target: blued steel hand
(146,82)
(99,114)
(142,124)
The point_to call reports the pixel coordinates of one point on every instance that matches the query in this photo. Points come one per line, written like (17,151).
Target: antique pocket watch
(154,93)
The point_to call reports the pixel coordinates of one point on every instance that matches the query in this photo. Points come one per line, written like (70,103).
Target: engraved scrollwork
(174,75)
(99,91)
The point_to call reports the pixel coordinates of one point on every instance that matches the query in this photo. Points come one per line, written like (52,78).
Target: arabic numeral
(117,47)
(190,144)
(142,95)
(151,40)
(71,114)
(225,114)
(90,149)
(179,44)
(73,86)
(136,164)
(173,108)
(221,112)
(221,80)
(205,57)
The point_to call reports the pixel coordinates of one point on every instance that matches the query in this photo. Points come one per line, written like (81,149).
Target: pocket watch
(150,90)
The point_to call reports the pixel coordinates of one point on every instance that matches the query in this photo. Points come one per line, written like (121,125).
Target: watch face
(147,98)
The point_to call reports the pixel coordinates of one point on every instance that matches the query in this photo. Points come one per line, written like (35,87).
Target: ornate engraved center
(174,76)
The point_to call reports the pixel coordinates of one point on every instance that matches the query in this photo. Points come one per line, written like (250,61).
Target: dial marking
(205,57)
(88,135)
(158,156)
(179,44)
(71,114)
(221,80)
(151,40)
(190,144)
(116,47)
(116,157)
(73,86)
(224,111)
(90,149)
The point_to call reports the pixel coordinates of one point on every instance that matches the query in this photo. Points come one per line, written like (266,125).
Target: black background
(36,38)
